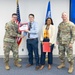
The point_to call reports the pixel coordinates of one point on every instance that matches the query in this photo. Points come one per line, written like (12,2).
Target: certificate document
(23,27)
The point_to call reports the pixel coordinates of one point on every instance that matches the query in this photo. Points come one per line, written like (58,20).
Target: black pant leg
(35,48)
(30,51)
(43,55)
(50,55)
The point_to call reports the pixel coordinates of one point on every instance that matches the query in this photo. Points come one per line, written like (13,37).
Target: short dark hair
(31,15)
(14,14)
(51,21)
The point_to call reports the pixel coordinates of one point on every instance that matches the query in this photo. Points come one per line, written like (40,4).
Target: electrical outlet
(22,49)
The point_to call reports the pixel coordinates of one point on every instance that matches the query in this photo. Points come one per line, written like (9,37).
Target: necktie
(29,30)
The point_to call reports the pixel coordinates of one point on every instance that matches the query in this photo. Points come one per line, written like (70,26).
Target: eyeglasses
(14,17)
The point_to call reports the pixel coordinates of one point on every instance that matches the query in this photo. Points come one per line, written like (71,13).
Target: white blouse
(51,32)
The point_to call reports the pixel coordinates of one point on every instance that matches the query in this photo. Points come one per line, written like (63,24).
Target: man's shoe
(28,65)
(17,64)
(37,67)
(62,65)
(70,69)
(7,67)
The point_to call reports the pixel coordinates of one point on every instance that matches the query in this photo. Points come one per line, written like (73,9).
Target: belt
(32,38)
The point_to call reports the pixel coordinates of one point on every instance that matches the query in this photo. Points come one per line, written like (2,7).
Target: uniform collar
(12,22)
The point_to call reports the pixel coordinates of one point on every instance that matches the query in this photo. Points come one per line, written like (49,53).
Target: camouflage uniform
(65,37)
(10,42)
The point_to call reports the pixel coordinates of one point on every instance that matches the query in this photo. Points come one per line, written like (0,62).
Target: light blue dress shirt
(33,31)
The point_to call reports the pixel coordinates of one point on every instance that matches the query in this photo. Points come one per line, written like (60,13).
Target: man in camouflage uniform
(65,38)
(10,42)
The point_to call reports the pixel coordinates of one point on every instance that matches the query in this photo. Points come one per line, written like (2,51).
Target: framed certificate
(23,27)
